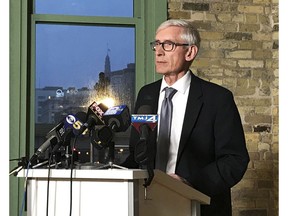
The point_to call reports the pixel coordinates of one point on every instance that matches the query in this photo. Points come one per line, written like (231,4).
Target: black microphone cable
(71,173)
(25,190)
(48,184)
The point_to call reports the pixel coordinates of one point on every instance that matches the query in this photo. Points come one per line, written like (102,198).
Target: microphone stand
(111,155)
(91,164)
(22,163)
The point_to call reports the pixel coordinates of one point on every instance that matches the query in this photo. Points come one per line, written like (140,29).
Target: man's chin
(162,72)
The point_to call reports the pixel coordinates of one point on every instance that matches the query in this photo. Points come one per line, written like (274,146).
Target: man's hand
(179,178)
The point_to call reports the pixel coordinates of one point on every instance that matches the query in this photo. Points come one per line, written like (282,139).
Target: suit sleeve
(231,156)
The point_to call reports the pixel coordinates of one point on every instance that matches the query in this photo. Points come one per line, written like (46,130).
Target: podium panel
(109,192)
(167,196)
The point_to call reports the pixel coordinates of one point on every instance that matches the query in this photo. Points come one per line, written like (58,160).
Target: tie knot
(169,92)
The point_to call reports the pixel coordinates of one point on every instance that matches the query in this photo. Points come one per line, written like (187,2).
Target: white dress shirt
(179,101)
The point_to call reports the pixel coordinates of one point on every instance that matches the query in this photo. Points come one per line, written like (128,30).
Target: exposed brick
(275,54)
(228,63)
(211,35)
(238,36)
(200,25)
(251,9)
(265,184)
(208,63)
(266,137)
(174,6)
(275,45)
(254,102)
(179,15)
(251,18)
(213,54)
(275,36)
(247,32)
(264,165)
(243,1)
(243,203)
(247,128)
(254,212)
(249,27)
(251,63)
(210,17)
(267,45)
(252,140)
(245,184)
(261,36)
(220,7)
(197,16)
(276,27)
(254,194)
(224,27)
(241,91)
(262,54)
(224,17)
(240,54)
(250,44)
(223,45)
(261,1)
(195,6)
(262,128)
(271,63)
(254,156)
(258,118)
(264,203)
(238,18)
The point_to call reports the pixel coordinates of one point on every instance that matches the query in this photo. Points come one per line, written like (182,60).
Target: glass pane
(76,65)
(117,8)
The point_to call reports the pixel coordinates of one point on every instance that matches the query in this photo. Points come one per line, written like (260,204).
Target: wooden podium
(112,192)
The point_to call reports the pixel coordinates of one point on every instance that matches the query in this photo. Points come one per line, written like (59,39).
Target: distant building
(53,102)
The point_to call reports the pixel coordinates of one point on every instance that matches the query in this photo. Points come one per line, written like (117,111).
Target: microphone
(101,137)
(144,153)
(59,135)
(117,118)
(52,140)
(94,117)
(144,124)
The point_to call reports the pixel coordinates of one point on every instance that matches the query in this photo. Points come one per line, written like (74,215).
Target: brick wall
(239,51)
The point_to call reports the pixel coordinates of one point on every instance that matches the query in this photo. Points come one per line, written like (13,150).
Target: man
(207,148)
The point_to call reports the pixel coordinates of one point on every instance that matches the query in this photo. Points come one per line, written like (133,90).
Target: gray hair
(190,34)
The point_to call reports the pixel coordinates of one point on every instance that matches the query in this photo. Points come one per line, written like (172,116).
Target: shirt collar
(180,85)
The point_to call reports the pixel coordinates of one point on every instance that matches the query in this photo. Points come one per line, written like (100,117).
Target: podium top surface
(128,174)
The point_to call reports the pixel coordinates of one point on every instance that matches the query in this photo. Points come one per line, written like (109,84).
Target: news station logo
(137,118)
(115,110)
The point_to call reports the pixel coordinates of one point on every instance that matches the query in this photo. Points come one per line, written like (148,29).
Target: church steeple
(107,67)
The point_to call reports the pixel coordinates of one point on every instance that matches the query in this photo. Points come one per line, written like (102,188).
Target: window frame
(147,17)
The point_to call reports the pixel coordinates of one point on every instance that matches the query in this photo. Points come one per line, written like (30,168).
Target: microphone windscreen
(145,109)
(81,116)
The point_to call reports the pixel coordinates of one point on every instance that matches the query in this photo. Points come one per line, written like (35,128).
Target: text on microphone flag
(138,119)
(144,118)
(115,110)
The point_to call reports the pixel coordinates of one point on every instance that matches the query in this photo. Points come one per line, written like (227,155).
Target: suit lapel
(194,104)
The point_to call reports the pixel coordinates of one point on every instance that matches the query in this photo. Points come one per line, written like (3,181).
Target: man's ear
(191,53)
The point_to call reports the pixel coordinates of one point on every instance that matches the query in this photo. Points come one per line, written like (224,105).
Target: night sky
(71,55)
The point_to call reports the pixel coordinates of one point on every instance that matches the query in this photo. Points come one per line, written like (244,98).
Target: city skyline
(74,55)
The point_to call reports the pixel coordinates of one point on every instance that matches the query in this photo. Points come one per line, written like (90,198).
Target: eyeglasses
(166,45)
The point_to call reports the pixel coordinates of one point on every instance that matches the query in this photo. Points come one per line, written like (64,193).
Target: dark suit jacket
(212,153)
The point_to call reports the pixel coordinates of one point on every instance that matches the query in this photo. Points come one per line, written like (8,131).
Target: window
(78,63)
(114,8)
